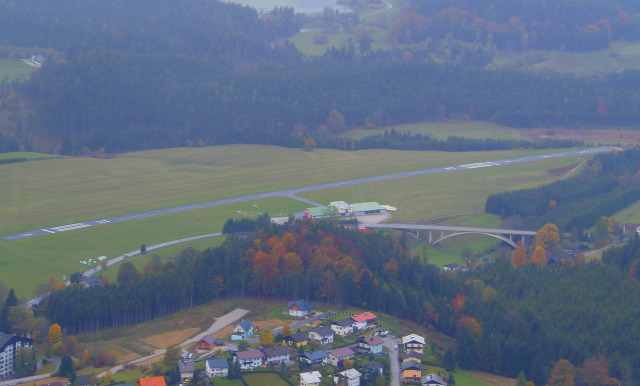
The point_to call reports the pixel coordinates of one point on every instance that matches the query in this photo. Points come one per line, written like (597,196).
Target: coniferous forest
(505,319)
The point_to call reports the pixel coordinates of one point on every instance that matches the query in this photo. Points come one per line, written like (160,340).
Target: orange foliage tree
(519,256)
(595,371)
(539,257)
(547,236)
(562,374)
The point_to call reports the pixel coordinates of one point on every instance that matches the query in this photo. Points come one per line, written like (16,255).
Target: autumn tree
(55,334)
(172,355)
(266,338)
(595,371)
(348,363)
(286,330)
(519,256)
(562,374)
(539,257)
(310,144)
(553,204)
(548,236)
(85,357)
(335,122)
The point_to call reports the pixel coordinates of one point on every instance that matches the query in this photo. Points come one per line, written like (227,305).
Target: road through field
(293,192)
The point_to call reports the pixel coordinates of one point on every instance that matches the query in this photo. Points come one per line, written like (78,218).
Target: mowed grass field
(58,255)
(62,191)
(12,69)
(49,193)
(442,130)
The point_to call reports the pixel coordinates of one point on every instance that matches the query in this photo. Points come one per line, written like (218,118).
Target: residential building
(337,356)
(186,369)
(372,369)
(315,358)
(298,339)
(343,327)
(433,380)
(364,320)
(85,380)
(276,355)
(371,345)
(312,378)
(9,345)
(411,370)
(451,267)
(217,367)
(243,330)
(300,308)
(413,342)
(322,335)
(350,376)
(412,355)
(151,381)
(207,343)
(249,359)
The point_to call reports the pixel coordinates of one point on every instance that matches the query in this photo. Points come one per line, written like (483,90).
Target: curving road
(293,192)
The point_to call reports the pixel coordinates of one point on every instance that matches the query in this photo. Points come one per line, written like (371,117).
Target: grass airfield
(43,193)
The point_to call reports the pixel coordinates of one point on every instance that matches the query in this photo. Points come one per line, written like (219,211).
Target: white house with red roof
(364,320)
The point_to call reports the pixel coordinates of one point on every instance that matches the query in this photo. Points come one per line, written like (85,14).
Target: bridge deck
(451,229)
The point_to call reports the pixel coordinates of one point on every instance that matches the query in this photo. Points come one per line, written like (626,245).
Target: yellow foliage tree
(335,122)
(539,257)
(55,334)
(286,330)
(108,378)
(348,363)
(547,236)
(519,256)
(85,357)
(266,338)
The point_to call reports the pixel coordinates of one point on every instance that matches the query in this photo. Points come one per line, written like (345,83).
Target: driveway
(294,325)
(391,344)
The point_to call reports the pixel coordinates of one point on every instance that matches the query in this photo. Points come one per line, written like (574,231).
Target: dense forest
(609,183)
(193,73)
(524,25)
(505,319)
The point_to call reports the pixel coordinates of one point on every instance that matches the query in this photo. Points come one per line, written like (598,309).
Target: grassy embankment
(55,192)
(442,130)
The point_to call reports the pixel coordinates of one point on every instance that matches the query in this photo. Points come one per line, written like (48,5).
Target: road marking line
(48,231)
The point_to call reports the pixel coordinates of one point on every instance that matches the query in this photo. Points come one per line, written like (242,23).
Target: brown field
(50,380)
(493,379)
(126,355)
(268,324)
(170,338)
(146,363)
(608,136)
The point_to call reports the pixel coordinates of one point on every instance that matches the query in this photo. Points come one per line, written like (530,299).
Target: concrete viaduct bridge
(506,235)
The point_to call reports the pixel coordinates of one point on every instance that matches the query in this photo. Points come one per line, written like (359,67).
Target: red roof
(363,317)
(152,381)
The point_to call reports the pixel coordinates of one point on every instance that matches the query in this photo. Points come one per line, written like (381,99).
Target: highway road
(293,192)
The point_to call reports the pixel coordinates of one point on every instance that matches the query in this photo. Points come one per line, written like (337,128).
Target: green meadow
(47,193)
(11,69)
(442,130)
(23,154)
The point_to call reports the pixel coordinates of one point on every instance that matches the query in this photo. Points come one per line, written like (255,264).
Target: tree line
(505,319)
(609,183)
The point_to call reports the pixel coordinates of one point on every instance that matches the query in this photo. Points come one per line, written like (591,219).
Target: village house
(207,343)
(300,308)
(412,355)
(276,355)
(249,359)
(411,370)
(413,342)
(314,358)
(371,345)
(186,369)
(364,320)
(312,378)
(217,367)
(351,377)
(343,327)
(151,381)
(433,380)
(243,330)
(322,335)
(337,356)
(451,267)
(298,339)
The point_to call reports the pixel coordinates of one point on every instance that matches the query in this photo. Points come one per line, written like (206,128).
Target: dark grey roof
(4,339)
(209,339)
(186,367)
(218,363)
(297,337)
(412,354)
(411,365)
(323,331)
(249,354)
(315,355)
(276,351)
(344,322)
(84,380)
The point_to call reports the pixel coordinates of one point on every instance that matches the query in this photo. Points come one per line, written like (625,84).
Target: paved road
(294,191)
(218,325)
(391,344)
(293,326)
(34,378)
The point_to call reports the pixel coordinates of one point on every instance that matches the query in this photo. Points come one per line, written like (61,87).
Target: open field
(608,136)
(47,193)
(27,155)
(340,39)
(617,57)
(442,130)
(12,69)
(630,214)
(423,197)
(300,6)
(59,255)
(263,379)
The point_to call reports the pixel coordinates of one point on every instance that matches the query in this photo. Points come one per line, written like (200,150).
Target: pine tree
(522,380)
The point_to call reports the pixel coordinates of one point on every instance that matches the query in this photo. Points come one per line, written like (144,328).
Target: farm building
(341,208)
